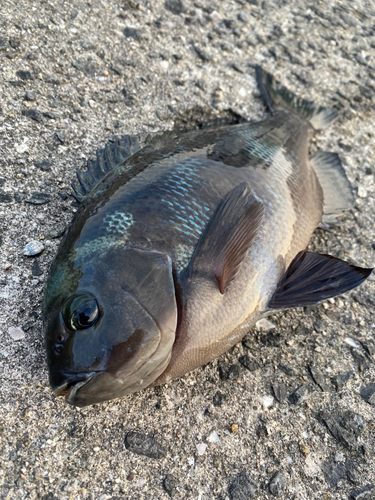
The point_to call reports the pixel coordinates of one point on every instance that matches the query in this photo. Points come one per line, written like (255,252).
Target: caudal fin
(337,192)
(277,96)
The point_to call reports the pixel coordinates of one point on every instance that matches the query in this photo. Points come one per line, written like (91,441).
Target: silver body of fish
(184,241)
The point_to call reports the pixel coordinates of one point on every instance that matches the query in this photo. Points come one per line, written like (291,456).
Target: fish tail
(277,96)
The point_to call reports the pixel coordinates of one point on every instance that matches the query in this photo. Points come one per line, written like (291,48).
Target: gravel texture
(75,73)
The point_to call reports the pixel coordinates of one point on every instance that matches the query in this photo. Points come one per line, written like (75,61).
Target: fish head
(109,323)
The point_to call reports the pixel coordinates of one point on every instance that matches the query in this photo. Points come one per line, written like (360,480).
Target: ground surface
(75,73)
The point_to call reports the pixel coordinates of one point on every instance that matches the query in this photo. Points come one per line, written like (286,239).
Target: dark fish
(183,241)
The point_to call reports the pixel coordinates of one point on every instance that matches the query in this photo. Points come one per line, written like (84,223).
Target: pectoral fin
(228,236)
(313,277)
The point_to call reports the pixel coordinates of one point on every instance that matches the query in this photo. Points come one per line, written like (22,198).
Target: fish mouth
(74,382)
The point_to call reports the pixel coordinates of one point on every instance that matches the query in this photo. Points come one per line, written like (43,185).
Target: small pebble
(116,70)
(341,379)
(351,342)
(52,79)
(25,75)
(365,493)
(362,193)
(164,65)
(339,457)
(175,6)
(132,33)
(5,197)
(19,197)
(61,136)
(277,484)
(33,114)
(16,333)
(215,16)
(333,473)
(318,378)
(242,488)
(267,401)
(57,233)
(213,437)
(250,364)
(233,428)
(243,17)
(301,394)
(227,371)
(201,448)
(205,56)
(35,268)
(33,248)
(50,115)
(143,444)
(279,390)
(345,426)
(271,339)
(37,198)
(218,399)
(353,471)
(368,393)
(30,96)
(264,324)
(3,44)
(169,484)
(304,449)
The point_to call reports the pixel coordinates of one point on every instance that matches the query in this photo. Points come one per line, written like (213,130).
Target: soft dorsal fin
(228,236)
(277,96)
(312,277)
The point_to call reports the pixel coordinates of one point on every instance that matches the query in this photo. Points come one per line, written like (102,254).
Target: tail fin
(277,96)
(337,192)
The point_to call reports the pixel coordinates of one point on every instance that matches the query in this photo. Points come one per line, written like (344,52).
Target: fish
(184,240)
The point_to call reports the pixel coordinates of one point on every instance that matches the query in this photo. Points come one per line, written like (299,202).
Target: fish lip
(73,390)
(69,389)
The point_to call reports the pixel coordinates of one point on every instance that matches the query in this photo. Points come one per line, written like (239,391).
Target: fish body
(180,247)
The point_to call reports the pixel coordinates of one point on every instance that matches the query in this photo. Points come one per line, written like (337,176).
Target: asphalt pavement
(290,411)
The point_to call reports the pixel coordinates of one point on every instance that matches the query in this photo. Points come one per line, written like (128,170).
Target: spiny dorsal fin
(228,236)
(106,160)
(276,95)
(338,196)
(312,277)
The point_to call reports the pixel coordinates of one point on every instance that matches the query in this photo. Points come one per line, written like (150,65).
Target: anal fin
(228,236)
(337,193)
(313,277)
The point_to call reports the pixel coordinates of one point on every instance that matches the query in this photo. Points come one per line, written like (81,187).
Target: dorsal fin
(312,277)
(277,96)
(106,160)
(228,236)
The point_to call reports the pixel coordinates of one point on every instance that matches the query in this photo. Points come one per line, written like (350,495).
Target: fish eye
(81,311)
(85,315)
